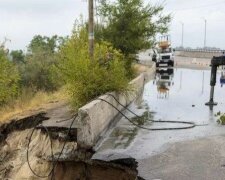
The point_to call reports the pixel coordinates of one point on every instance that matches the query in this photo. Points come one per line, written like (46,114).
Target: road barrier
(95,118)
(198,53)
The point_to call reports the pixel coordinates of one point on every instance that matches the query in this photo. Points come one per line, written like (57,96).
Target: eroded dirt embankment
(95,170)
(74,163)
(13,152)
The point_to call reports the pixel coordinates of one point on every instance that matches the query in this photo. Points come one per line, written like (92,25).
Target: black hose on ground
(192,125)
(156,121)
(123,105)
(51,173)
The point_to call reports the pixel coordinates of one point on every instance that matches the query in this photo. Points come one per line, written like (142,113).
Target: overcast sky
(20,20)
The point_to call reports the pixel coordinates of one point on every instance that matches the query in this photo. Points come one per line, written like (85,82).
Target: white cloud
(192,14)
(22,19)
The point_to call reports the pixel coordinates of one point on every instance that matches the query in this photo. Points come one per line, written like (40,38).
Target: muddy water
(178,94)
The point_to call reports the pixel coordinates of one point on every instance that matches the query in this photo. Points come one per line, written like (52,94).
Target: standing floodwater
(173,95)
(182,95)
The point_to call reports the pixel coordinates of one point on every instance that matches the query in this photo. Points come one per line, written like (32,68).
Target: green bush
(9,79)
(85,78)
(36,72)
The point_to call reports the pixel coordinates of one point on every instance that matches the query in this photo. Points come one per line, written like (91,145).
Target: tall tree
(130,25)
(44,43)
(41,57)
(17,56)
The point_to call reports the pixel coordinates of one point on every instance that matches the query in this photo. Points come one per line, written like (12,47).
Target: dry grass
(28,103)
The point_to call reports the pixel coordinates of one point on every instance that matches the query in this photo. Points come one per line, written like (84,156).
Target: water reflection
(163,81)
(122,136)
(222,78)
(188,90)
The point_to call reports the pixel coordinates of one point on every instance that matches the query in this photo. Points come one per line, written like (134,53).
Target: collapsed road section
(58,145)
(50,156)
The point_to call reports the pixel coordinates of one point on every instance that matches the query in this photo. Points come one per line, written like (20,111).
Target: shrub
(87,78)
(9,79)
(36,72)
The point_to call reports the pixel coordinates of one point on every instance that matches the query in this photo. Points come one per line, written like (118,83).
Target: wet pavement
(173,95)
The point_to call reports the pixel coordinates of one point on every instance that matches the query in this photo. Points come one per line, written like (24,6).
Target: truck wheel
(172,63)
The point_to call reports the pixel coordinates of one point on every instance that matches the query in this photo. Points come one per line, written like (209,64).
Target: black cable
(125,107)
(192,125)
(29,165)
(54,163)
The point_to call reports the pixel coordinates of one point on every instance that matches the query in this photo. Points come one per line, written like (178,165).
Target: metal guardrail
(200,50)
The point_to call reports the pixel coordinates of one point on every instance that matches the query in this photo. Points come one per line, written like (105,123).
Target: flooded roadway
(173,95)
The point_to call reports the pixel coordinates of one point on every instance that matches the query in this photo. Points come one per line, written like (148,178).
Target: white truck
(163,54)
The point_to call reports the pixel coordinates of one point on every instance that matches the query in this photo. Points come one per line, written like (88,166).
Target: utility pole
(205,32)
(182,34)
(91,28)
(96,13)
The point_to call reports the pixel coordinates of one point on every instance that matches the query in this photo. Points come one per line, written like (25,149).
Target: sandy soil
(13,159)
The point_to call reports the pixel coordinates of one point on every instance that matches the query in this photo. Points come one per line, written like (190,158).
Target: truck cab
(164,53)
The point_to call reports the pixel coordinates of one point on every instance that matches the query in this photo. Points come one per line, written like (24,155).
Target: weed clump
(221,119)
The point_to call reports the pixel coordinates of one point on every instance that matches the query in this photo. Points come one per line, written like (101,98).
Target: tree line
(50,63)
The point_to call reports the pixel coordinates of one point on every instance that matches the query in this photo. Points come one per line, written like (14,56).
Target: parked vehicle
(164,53)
